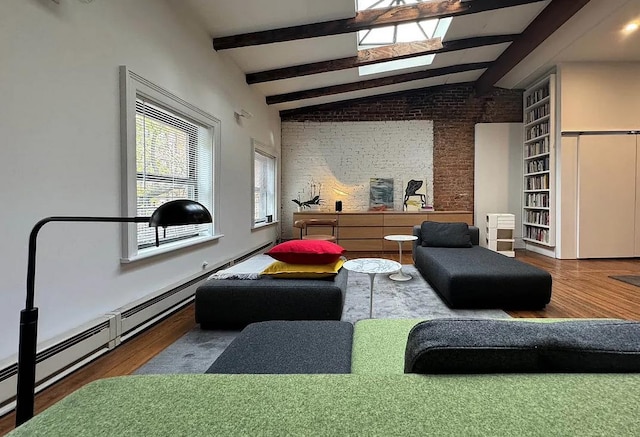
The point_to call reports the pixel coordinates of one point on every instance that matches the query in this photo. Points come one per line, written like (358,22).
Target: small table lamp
(173,213)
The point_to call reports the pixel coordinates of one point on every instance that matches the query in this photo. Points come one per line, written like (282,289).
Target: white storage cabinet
(500,229)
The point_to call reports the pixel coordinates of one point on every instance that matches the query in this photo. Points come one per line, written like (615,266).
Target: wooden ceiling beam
(397,51)
(364,57)
(547,22)
(368,19)
(373,83)
(377,55)
(340,104)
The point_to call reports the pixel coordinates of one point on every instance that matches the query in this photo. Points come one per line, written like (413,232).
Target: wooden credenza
(365,231)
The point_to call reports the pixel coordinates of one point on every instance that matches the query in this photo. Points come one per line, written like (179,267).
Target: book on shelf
(538,165)
(537,113)
(538,130)
(540,200)
(537,234)
(537,148)
(537,217)
(539,182)
(538,95)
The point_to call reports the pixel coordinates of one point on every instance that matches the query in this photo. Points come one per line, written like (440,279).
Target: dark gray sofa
(476,277)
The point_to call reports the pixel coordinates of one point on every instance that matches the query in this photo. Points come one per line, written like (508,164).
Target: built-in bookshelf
(538,157)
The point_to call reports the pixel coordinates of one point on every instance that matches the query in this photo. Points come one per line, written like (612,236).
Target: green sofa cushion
(379,345)
(322,405)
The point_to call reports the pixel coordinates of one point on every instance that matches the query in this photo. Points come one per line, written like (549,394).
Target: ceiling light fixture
(631,27)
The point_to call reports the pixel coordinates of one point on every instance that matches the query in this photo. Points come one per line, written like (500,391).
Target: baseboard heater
(65,354)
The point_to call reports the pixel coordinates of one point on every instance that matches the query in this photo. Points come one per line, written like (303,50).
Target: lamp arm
(31,266)
(29,318)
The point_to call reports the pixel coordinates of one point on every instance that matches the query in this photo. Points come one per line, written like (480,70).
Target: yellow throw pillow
(284,270)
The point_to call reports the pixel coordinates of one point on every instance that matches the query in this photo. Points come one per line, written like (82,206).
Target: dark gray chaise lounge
(233,303)
(476,277)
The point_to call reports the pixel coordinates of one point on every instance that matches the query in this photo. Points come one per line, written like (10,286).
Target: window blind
(173,161)
(264,192)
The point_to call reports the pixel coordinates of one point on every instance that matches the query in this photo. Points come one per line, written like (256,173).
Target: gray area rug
(629,279)
(196,350)
(401,300)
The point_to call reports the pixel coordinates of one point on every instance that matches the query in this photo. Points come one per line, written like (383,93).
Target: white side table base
(400,276)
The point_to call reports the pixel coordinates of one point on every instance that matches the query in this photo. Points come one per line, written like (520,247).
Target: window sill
(167,248)
(263,225)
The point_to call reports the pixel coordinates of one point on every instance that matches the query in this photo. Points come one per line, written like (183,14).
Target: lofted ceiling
(505,43)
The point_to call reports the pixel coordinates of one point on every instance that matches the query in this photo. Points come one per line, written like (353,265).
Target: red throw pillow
(306,252)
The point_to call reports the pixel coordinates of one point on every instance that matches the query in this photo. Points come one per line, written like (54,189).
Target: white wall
(60,152)
(599,96)
(594,97)
(345,155)
(567,198)
(498,174)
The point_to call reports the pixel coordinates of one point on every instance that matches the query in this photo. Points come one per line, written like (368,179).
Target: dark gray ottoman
(233,303)
(289,347)
(480,278)
(476,277)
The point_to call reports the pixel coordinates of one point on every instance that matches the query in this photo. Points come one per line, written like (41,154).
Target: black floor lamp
(173,213)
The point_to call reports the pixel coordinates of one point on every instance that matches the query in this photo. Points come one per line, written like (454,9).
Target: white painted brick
(346,155)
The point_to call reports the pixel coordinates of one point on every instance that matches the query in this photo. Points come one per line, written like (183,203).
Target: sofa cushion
(499,346)
(435,234)
(306,252)
(346,405)
(287,347)
(283,270)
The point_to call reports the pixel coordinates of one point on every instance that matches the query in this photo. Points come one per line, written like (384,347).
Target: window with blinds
(170,150)
(173,161)
(264,193)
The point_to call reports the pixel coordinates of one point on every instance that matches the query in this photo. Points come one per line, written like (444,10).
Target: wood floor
(580,289)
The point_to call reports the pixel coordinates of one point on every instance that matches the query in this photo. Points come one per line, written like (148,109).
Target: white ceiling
(593,34)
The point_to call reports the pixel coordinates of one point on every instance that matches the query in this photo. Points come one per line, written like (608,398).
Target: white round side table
(400,276)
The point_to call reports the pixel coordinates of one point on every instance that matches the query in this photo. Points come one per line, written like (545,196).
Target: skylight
(401,33)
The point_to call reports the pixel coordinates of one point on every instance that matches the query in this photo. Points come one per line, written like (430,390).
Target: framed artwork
(415,194)
(381,193)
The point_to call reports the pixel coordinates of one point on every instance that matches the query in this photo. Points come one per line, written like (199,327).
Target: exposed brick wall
(454,109)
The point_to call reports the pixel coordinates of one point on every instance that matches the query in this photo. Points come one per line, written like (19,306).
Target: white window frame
(259,148)
(131,86)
